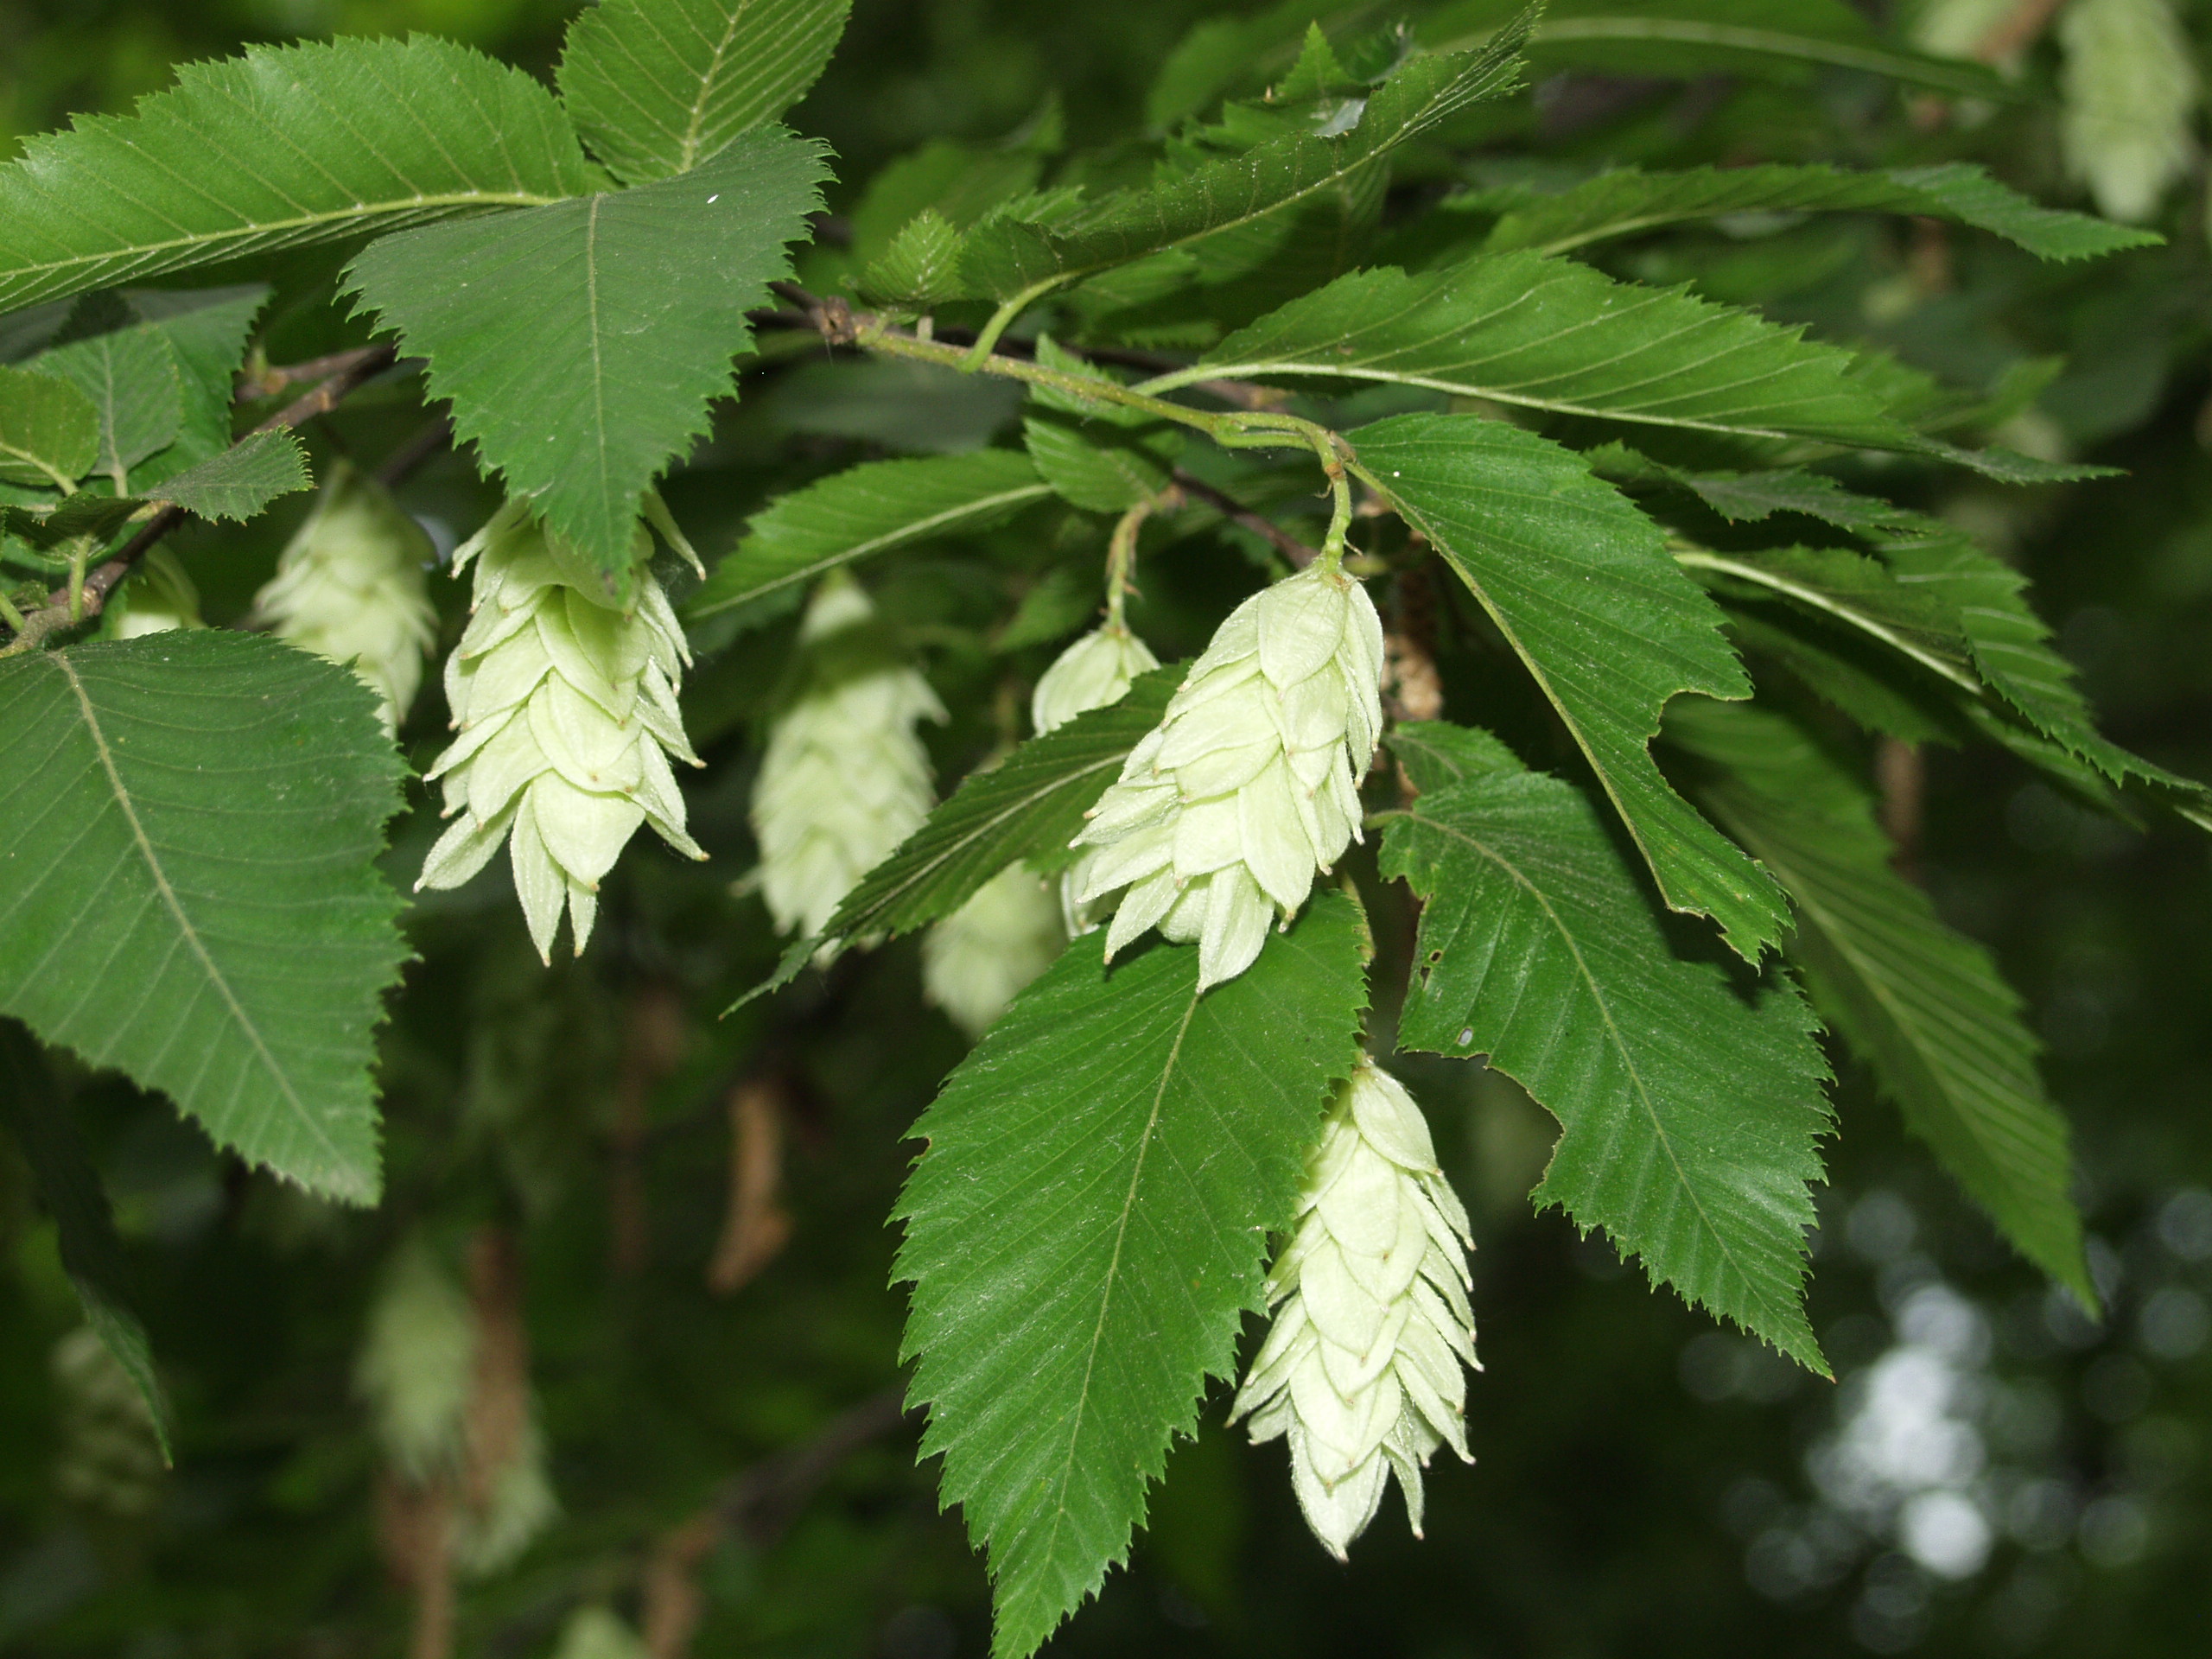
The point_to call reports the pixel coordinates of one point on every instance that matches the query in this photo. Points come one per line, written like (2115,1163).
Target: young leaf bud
(1250,784)
(349,587)
(844,779)
(978,959)
(566,714)
(1362,1368)
(2131,89)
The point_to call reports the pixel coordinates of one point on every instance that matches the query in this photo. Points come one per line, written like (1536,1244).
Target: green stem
(78,555)
(1122,560)
(10,615)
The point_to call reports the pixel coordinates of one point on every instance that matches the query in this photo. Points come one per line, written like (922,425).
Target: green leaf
(1088,1223)
(1011,260)
(1690,1113)
(1924,1007)
(582,343)
(136,387)
(1101,457)
(2013,649)
(659,86)
(50,431)
(1629,201)
(1538,333)
(1761,37)
(1581,584)
(241,481)
(281,146)
(921,267)
(190,895)
(1850,587)
(864,511)
(207,329)
(235,484)
(91,1254)
(1029,806)
(1437,754)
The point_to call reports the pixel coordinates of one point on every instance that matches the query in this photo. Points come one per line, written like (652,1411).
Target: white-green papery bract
(1364,1370)
(978,959)
(844,779)
(2130,91)
(1094,672)
(1251,783)
(349,587)
(565,714)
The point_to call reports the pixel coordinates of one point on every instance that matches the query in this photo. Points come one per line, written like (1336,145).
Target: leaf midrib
(1113,1268)
(176,907)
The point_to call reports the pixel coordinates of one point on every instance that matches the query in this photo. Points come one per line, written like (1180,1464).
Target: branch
(1229,507)
(355,370)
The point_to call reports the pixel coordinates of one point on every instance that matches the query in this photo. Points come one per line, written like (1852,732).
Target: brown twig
(1901,775)
(1231,508)
(757,1224)
(652,1048)
(359,368)
(399,466)
(2015,33)
(273,377)
(756,1504)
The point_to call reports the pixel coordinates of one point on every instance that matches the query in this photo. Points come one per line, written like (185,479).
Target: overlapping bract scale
(978,959)
(845,779)
(1250,784)
(566,716)
(1362,1370)
(1094,672)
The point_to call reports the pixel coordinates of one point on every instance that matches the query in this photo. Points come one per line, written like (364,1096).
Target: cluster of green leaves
(1656,506)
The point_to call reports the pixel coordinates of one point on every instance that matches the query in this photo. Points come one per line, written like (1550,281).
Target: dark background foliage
(1646,1484)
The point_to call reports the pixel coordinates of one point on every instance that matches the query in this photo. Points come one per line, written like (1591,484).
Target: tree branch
(1237,512)
(354,370)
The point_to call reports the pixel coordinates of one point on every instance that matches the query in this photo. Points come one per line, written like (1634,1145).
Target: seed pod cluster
(1361,1370)
(106,1455)
(978,959)
(349,587)
(1094,672)
(1250,784)
(844,779)
(2130,90)
(565,715)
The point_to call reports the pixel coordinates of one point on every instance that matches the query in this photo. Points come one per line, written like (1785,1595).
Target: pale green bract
(978,959)
(1251,782)
(844,779)
(1363,1368)
(349,587)
(2131,92)
(565,714)
(1089,674)
(598,1632)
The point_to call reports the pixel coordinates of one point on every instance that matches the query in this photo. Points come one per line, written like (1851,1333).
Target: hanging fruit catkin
(845,779)
(2130,89)
(158,596)
(1250,784)
(106,1455)
(1094,672)
(1362,1369)
(978,959)
(565,710)
(349,587)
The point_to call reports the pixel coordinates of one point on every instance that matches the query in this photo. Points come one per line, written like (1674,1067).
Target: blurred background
(1992,1473)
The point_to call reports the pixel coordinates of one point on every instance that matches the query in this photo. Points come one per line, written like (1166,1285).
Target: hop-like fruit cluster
(421,1372)
(566,713)
(1092,672)
(845,779)
(1363,1368)
(159,596)
(1250,784)
(349,587)
(978,959)
(2130,92)
(106,1455)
